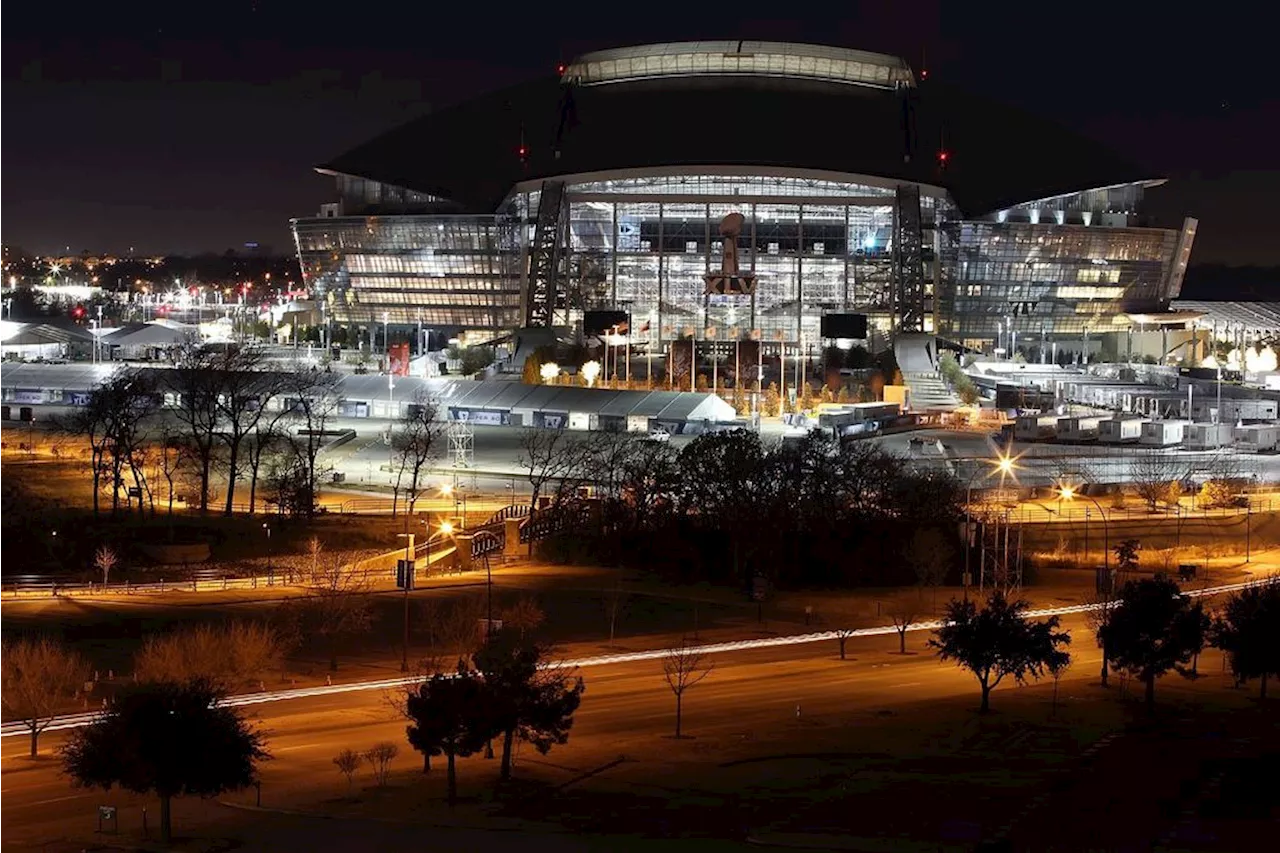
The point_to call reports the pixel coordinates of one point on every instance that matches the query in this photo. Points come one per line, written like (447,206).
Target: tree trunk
(166,825)
(986,699)
(426,763)
(253,483)
(508,737)
(97,482)
(453,779)
(902,641)
(205,462)
(233,455)
(35,732)
(1151,691)
(1104,666)
(678,709)
(842,642)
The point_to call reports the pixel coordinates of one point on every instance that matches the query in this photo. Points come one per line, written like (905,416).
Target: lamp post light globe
(590,370)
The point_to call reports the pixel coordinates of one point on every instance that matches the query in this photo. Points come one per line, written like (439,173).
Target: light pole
(1248,518)
(386,339)
(1005,465)
(407,578)
(1068,493)
(270,571)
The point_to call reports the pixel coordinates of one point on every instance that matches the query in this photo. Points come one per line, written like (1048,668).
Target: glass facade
(817,243)
(455,271)
(1054,281)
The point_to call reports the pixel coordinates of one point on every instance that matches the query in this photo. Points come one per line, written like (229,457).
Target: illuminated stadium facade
(604,187)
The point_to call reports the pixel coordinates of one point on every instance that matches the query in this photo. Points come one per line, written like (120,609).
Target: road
(627,708)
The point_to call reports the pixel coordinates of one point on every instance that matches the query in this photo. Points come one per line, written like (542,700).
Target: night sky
(181,128)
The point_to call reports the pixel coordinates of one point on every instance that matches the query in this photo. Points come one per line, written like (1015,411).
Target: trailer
(1235,409)
(1162,433)
(1078,428)
(1120,430)
(1208,436)
(1035,427)
(1255,438)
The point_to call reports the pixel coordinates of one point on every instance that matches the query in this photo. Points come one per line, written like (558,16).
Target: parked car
(659,434)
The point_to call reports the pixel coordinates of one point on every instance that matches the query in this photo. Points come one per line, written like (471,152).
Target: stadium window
(691,247)
(773,248)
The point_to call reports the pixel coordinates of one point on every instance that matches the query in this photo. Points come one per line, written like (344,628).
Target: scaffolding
(549,240)
(462,446)
(908,255)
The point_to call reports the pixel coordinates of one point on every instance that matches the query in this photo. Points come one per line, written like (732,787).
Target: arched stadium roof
(998,156)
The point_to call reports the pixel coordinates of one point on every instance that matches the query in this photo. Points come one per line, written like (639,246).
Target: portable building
(1255,438)
(1078,428)
(1208,436)
(1035,427)
(1162,433)
(1120,430)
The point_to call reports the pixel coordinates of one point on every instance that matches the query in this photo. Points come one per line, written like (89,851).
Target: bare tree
(348,762)
(649,481)
(104,560)
(551,458)
(316,399)
(615,604)
(269,434)
(246,391)
(38,676)
(903,616)
(1058,667)
(416,443)
(606,460)
(196,383)
(337,602)
(460,626)
(930,556)
(172,458)
(116,422)
(683,668)
(842,637)
(230,655)
(1155,476)
(524,615)
(379,757)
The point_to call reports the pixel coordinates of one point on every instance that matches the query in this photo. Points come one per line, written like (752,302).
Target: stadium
(847,187)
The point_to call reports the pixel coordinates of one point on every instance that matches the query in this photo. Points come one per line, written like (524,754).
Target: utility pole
(408,582)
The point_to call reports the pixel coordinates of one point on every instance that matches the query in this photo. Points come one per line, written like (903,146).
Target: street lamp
(270,571)
(407,582)
(1004,464)
(1069,493)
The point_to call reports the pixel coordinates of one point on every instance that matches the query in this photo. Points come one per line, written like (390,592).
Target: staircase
(929,391)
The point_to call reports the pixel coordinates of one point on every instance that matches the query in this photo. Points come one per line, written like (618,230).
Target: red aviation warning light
(560,68)
(523,151)
(924,74)
(944,156)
